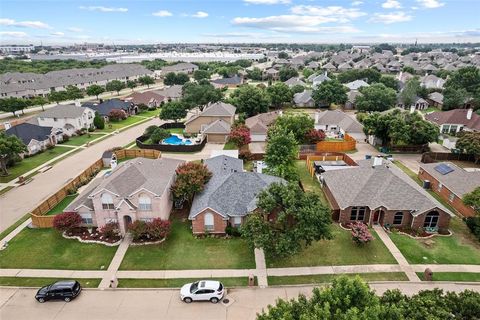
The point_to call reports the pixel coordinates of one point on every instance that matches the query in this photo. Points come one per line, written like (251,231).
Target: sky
(214,21)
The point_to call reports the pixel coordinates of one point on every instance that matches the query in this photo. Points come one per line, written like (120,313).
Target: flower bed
(84,235)
(422,234)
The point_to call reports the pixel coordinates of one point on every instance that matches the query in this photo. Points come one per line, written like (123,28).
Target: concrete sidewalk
(116,262)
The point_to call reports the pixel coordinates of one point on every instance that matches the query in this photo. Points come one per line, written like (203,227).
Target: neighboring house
(316,80)
(295,81)
(382,194)
(150,99)
(105,107)
(456,120)
(356,85)
(184,67)
(432,82)
(207,121)
(271,74)
(451,182)
(351,99)
(258,125)
(329,67)
(228,197)
(231,82)
(68,118)
(171,93)
(435,99)
(344,66)
(338,122)
(137,189)
(304,99)
(35,137)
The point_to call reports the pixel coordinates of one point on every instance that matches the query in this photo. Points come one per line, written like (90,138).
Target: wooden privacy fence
(327,156)
(38,215)
(429,157)
(348,144)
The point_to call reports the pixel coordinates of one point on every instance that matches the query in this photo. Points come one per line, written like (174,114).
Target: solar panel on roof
(443,169)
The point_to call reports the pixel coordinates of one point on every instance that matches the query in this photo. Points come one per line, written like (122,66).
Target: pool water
(175,140)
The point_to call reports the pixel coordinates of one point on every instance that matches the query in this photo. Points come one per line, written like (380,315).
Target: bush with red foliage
(154,230)
(360,233)
(313,136)
(67,221)
(240,136)
(110,230)
(191,178)
(116,115)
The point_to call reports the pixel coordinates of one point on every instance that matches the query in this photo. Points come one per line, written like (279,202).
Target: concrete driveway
(165,304)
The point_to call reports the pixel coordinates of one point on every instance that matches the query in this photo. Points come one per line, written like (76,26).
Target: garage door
(258,137)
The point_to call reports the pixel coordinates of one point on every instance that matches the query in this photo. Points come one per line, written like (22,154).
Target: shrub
(98,121)
(67,221)
(138,229)
(117,115)
(110,230)
(232,231)
(245,155)
(50,146)
(155,230)
(313,136)
(159,134)
(360,233)
(150,129)
(79,132)
(191,178)
(473,223)
(143,107)
(240,136)
(65,137)
(91,129)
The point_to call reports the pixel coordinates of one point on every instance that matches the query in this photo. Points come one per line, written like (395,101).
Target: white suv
(203,290)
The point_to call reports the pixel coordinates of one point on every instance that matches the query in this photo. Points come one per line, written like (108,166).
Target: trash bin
(251,280)
(428,274)
(368,156)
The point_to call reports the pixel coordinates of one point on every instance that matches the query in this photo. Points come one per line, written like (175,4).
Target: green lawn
(81,140)
(112,126)
(149,113)
(62,205)
(339,251)
(182,251)
(40,282)
(230,146)
(457,249)
(430,109)
(324,278)
(177,283)
(309,183)
(13,226)
(175,130)
(452,276)
(47,249)
(32,162)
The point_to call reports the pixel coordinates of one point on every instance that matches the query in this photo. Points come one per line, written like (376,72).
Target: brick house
(137,189)
(214,121)
(228,197)
(451,183)
(384,195)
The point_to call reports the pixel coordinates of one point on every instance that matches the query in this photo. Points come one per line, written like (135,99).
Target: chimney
(316,117)
(469,114)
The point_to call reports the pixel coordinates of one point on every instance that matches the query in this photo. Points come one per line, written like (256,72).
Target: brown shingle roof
(456,116)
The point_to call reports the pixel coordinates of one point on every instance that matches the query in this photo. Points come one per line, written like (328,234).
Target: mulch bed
(85,234)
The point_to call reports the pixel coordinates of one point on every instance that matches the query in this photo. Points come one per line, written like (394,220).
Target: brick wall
(198,225)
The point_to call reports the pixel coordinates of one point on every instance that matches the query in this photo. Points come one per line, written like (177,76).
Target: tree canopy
(279,94)
(369,75)
(250,100)
(173,78)
(286,73)
(329,92)
(191,178)
(298,123)
(281,153)
(115,85)
(473,199)
(10,147)
(376,97)
(410,91)
(95,90)
(469,142)
(200,94)
(146,81)
(462,84)
(173,110)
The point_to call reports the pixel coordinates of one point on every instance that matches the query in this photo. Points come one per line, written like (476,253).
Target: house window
(237,221)
(453,129)
(208,222)
(357,213)
(144,203)
(107,201)
(451,197)
(398,217)
(439,187)
(86,218)
(445,129)
(431,220)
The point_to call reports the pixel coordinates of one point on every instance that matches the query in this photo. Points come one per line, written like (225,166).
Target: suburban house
(183,67)
(304,99)
(378,193)
(316,80)
(356,85)
(295,81)
(231,82)
(339,123)
(435,99)
(171,93)
(456,120)
(451,183)
(214,121)
(105,107)
(271,74)
(68,118)
(137,189)
(35,137)
(228,197)
(150,99)
(351,99)
(258,125)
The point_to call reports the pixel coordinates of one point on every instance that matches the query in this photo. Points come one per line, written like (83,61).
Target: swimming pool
(175,140)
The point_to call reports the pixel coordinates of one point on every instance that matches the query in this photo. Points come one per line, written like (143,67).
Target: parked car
(61,290)
(203,290)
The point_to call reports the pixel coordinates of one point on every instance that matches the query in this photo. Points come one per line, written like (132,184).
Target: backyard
(47,249)
(341,250)
(181,251)
(309,183)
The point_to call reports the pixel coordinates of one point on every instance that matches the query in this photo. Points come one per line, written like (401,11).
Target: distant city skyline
(288,21)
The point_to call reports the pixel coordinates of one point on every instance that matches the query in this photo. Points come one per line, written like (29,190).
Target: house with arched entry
(137,189)
(378,193)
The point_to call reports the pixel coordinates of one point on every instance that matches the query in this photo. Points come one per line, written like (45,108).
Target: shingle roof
(455,116)
(259,124)
(458,181)
(63,111)
(294,81)
(218,126)
(381,186)
(217,109)
(172,92)
(302,97)
(341,119)
(230,191)
(183,66)
(105,107)
(144,97)
(27,131)
(236,80)
(357,84)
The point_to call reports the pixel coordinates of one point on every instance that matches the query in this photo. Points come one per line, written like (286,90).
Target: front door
(376,217)
(127,221)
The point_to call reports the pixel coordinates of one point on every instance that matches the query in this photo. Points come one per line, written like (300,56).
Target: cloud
(57,34)
(24,24)
(391,4)
(390,18)
(103,9)
(334,13)
(162,13)
(200,14)
(75,29)
(430,4)
(267,1)
(13,34)
(357,3)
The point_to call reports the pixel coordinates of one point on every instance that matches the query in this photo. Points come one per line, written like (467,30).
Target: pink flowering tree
(313,136)
(240,136)
(360,233)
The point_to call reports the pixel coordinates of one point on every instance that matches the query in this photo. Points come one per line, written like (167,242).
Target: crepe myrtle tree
(240,135)
(67,221)
(191,179)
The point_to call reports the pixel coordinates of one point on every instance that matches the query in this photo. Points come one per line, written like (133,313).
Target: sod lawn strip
(81,140)
(40,282)
(117,125)
(341,250)
(452,276)
(230,146)
(62,205)
(47,249)
(179,282)
(182,251)
(14,226)
(325,278)
(309,183)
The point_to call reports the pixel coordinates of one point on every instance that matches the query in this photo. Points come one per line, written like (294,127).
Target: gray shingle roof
(302,97)
(27,131)
(230,191)
(63,111)
(217,109)
(341,119)
(218,126)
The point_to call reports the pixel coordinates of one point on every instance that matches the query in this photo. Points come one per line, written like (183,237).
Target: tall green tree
(279,94)
(13,105)
(10,147)
(201,74)
(95,90)
(57,96)
(39,101)
(255,74)
(115,85)
(298,123)
(463,84)
(131,84)
(389,82)
(329,92)
(286,73)
(281,153)
(73,92)
(469,142)
(173,110)
(200,94)
(472,199)
(250,100)
(146,81)
(376,97)
(410,91)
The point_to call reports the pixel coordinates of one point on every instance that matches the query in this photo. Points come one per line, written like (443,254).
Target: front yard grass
(62,205)
(230,146)
(81,140)
(179,282)
(182,251)
(460,248)
(32,162)
(341,250)
(40,282)
(149,113)
(309,183)
(116,125)
(325,278)
(452,276)
(47,249)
